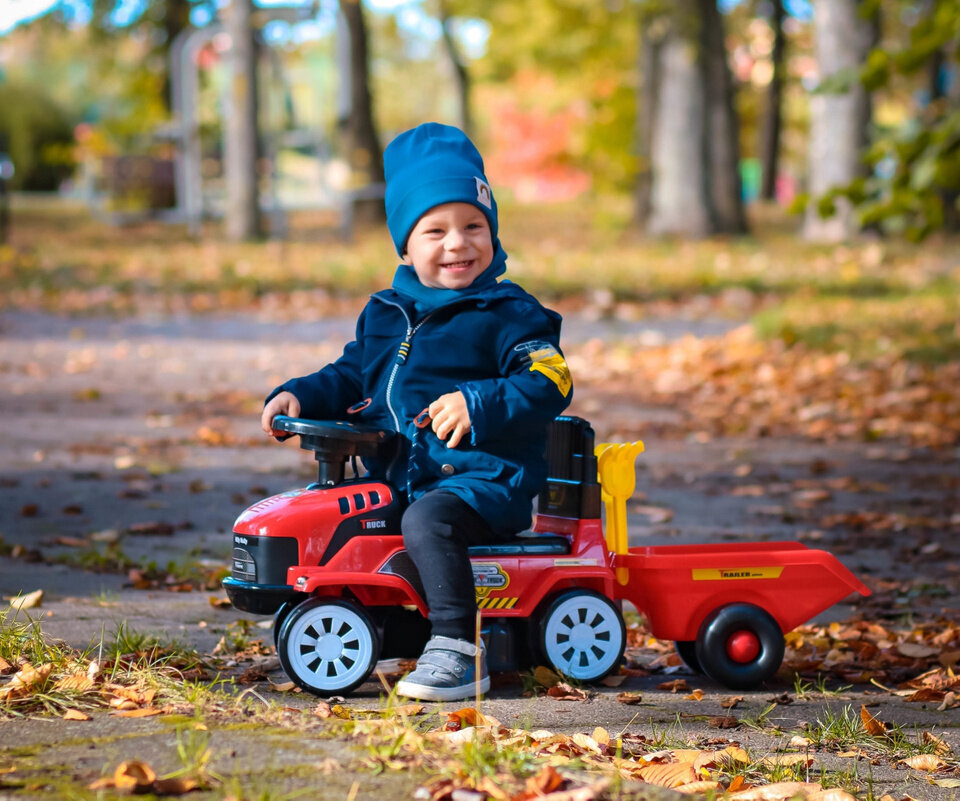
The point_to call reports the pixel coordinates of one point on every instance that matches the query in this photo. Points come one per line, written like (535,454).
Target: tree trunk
(648,72)
(240,127)
(773,113)
(679,194)
(460,75)
(838,122)
(176,18)
(690,127)
(723,127)
(363,143)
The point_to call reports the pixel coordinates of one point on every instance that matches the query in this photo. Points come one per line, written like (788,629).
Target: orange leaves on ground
(138,777)
(736,383)
(25,682)
(564,692)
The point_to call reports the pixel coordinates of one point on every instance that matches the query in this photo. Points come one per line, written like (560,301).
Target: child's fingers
(455,437)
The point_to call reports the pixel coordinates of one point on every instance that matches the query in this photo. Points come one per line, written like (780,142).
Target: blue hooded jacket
(499,347)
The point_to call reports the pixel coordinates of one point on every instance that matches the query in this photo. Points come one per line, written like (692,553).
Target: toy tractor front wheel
(328,646)
(740,646)
(582,635)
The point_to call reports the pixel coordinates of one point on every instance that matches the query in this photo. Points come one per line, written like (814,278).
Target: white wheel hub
(583,637)
(329,646)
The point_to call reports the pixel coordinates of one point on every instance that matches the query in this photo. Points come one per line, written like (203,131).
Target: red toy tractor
(328,561)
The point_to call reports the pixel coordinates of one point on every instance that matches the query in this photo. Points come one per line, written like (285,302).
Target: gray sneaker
(446,671)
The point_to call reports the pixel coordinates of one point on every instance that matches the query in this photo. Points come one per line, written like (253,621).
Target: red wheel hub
(743,646)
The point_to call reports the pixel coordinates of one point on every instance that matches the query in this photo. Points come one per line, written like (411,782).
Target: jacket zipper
(402,352)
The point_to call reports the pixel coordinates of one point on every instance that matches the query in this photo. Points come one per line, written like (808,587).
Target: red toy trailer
(328,561)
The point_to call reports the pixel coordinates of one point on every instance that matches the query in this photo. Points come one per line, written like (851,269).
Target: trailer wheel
(328,647)
(740,646)
(582,635)
(279,617)
(687,651)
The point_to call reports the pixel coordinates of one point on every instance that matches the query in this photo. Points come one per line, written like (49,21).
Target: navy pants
(437,530)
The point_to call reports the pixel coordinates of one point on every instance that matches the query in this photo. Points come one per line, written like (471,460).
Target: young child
(476,360)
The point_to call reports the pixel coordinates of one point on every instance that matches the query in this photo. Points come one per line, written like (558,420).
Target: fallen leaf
(952,784)
(724,722)
(674,686)
(630,699)
(873,726)
(224,603)
(669,774)
(284,687)
(699,788)
(800,742)
(546,677)
(133,775)
(832,794)
(613,681)
(779,791)
(564,692)
(927,762)
(731,702)
(6,668)
(323,710)
(916,650)
(696,695)
(75,714)
(29,601)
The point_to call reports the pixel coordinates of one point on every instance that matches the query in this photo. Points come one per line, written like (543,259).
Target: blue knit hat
(429,165)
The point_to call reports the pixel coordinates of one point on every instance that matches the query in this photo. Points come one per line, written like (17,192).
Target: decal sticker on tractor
(715,574)
(488,577)
(496,603)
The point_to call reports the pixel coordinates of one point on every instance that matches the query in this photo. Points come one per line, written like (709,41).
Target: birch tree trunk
(838,122)
(240,127)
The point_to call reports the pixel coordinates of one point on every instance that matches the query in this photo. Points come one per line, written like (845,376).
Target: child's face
(450,246)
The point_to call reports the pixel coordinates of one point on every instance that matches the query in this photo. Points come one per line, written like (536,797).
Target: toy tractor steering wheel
(333,442)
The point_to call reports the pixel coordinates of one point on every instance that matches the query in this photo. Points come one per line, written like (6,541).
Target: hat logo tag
(483,193)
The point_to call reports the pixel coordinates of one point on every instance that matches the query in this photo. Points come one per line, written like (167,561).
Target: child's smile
(450,246)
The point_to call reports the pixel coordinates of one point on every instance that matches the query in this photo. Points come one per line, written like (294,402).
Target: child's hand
(284,403)
(450,417)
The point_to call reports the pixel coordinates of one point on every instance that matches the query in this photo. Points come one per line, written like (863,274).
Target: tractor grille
(244,567)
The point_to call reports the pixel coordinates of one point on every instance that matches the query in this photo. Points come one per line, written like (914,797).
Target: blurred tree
(915,183)
(459,66)
(241,148)
(157,21)
(365,154)
(773,109)
(38,136)
(579,57)
(688,123)
(840,113)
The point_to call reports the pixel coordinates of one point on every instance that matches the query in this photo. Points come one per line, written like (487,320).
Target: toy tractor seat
(571,490)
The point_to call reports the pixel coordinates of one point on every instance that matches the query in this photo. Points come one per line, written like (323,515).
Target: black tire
(687,651)
(279,617)
(582,635)
(714,638)
(328,647)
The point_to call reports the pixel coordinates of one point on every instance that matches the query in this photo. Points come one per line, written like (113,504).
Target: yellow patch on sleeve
(549,362)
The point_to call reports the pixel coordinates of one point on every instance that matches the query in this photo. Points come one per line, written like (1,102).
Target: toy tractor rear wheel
(740,646)
(328,646)
(278,619)
(687,651)
(582,635)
